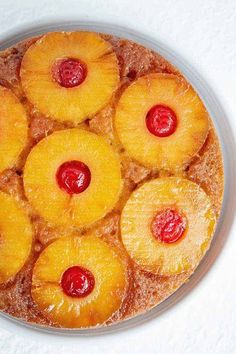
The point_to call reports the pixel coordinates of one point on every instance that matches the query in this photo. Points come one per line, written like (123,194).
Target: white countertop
(204,33)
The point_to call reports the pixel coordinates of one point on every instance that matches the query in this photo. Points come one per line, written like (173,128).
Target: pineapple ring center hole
(168,226)
(161,121)
(69,72)
(73,177)
(77,282)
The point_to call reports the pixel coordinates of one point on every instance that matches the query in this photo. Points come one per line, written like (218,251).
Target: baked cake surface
(111,179)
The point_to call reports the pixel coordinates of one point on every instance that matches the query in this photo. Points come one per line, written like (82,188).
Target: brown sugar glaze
(145,289)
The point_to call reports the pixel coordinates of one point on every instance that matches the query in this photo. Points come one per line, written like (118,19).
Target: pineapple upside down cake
(111,179)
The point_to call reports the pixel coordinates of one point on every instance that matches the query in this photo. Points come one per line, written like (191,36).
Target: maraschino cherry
(70,72)
(73,177)
(77,282)
(168,226)
(161,121)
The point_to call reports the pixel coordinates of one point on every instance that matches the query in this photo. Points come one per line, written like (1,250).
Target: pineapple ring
(88,252)
(15,237)
(56,205)
(77,103)
(158,257)
(172,152)
(13,127)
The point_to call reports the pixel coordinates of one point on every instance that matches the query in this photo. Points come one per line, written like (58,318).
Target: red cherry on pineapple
(70,73)
(161,121)
(77,282)
(168,226)
(73,177)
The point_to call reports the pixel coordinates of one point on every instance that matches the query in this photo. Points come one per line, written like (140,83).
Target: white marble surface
(204,32)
